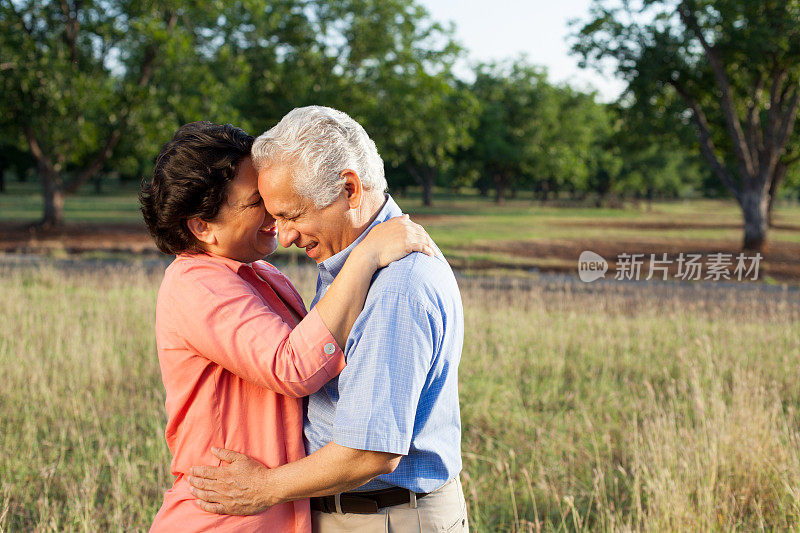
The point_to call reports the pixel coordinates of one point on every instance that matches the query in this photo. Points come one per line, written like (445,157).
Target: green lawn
(470,228)
(23,203)
(475,220)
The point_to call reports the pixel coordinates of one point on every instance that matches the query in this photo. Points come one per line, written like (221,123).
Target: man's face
(322,232)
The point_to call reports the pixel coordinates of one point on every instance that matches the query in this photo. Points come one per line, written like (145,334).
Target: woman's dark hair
(190,179)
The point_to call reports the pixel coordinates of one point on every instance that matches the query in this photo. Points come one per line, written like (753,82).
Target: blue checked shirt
(399,390)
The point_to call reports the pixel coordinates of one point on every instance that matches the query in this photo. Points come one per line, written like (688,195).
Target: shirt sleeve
(222,319)
(387,367)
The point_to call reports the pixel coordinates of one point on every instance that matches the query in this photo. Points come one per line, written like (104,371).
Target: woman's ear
(352,188)
(202,230)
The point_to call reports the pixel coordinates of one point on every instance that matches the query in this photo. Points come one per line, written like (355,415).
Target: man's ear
(202,230)
(352,188)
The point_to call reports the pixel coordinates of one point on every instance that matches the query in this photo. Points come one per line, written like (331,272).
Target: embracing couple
(342,418)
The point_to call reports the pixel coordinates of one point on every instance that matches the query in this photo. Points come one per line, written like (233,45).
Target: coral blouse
(235,371)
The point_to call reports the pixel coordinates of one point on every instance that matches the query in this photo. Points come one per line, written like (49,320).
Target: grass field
(465,219)
(601,409)
(520,237)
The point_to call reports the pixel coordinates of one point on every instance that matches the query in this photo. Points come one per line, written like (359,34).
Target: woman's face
(243,229)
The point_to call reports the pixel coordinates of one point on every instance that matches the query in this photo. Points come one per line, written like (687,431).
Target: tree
(431,122)
(398,67)
(384,62)
(574,143)
(734,64)
(657,152)
(517,107)
(78,76)
(533,134)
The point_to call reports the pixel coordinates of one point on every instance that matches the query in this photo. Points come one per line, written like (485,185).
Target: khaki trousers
(443,510)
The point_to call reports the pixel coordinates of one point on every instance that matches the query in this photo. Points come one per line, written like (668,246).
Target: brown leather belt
(366,502)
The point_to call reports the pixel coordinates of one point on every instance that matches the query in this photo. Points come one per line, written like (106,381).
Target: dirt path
(76,238)
(781,262)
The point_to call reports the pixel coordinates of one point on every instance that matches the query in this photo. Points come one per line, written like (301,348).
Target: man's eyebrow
(288,214)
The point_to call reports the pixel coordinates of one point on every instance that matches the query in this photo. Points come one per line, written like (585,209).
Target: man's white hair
(316,144)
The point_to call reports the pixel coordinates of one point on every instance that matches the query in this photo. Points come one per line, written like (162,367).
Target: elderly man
(383,438)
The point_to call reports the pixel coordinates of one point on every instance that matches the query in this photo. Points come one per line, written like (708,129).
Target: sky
(500,29)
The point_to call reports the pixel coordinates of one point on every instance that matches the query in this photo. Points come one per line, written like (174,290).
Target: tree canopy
(94,86)
(78,76)
(734,65)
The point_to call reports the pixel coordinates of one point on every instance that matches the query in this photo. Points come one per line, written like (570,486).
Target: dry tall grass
(605,409)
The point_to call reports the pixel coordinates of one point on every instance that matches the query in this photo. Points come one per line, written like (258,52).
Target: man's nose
(286,235)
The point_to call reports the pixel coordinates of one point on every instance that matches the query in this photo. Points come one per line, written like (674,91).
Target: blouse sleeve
(221,318)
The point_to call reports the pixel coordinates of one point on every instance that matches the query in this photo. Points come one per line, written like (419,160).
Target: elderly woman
(237,349)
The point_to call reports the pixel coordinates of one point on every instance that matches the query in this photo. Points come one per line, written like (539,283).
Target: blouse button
(329,348)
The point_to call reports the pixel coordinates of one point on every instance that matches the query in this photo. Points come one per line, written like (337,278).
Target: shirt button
(330,348)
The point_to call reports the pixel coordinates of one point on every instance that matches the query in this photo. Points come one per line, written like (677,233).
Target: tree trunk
(3,178)
(52,184)
(544,192)
(53,198)
(777,181)
(425,178)
(427,192)
(755,205)
(759,168)
(500,186)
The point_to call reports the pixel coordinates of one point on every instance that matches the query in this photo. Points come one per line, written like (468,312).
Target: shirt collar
(333,265)
(233,264)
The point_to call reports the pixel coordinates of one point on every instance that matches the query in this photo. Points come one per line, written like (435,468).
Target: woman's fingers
(418,240)
(390,241)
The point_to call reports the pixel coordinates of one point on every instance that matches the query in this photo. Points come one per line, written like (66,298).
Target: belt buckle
(358,504)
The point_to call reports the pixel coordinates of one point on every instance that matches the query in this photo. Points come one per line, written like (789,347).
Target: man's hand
(246,487)
(236,489)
